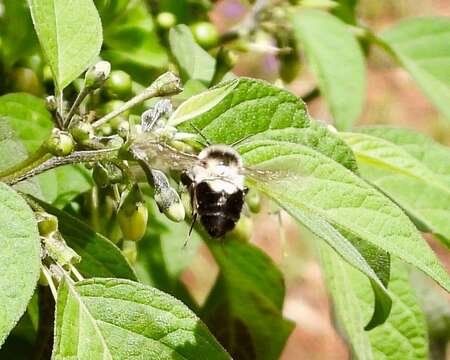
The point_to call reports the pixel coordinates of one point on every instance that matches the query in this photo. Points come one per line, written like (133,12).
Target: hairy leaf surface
(403,334)
(121,319)
(20,260)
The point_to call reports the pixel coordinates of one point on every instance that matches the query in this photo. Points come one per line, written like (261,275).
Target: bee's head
(221,155)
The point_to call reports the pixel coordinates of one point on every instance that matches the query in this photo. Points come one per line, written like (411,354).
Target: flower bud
(60,143)
(50,103)
(243,229)
(97,75)
(119,84)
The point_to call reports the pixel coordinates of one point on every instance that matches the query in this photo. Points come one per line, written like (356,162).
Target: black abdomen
(218,210)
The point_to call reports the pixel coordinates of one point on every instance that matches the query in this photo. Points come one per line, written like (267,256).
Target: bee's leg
(194,219)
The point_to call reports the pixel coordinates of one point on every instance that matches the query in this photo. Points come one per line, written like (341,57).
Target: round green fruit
(205,34)
(166,20)
(119,84)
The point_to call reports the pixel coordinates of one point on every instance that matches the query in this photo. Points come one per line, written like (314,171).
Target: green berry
(25,80)
(166,20)
(82,132)
(60,143)
(205,34)
(119,84)
(133,215)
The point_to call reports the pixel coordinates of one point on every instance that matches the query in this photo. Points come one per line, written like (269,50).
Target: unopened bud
(50,103)
(168,84)
(97,75)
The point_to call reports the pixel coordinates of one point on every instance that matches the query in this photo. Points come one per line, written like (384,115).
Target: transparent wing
(162,156)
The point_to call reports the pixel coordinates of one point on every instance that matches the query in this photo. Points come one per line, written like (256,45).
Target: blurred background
(392,98)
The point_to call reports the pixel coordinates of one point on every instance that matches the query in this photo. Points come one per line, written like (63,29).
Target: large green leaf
(70,34)
(403,335)
(194,62)
(422,46)
(99,256)
(20,260)
(259,109)
(424,194)
(32,123)
(337,61)
(121,319)
(130,38)
(17,41)
(308,180)
(244,308)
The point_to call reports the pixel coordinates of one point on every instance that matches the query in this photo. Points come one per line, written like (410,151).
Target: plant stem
(167,84)
(80,97)
(51,163)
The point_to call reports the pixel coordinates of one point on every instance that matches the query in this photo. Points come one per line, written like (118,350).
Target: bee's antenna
(237,142)
(198,131)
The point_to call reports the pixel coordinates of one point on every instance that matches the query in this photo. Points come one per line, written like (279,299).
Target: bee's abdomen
(218,211)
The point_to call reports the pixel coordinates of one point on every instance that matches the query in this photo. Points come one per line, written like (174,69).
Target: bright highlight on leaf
(337,61)
(70,34)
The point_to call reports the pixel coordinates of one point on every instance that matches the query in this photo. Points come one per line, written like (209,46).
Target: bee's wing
(162,156)
(264,175)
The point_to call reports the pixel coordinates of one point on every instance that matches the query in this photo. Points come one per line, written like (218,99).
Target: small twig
(76,157)
(80,97)
(76,273)
(51,284)
(167,84)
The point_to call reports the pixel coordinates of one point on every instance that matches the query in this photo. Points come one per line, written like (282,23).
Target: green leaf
(258,109)
(310,180)
(422,46)
(337,61)
(70,34)
(366,258)
(130,38)
(244,309)
(17,41)
(20,258)
(121,319)
(194,62)
(403,334)
(32,123)
(28,116)
(401,175)
(13,152)
(99,256)
(201,103)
